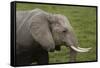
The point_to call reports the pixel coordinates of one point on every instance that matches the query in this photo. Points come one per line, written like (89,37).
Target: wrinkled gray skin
(39,32)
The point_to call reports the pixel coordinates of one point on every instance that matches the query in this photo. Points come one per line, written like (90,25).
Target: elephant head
(52,30)
(63,32)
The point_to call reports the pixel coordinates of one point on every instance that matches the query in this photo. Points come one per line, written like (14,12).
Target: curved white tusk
(84,48)
(78,50)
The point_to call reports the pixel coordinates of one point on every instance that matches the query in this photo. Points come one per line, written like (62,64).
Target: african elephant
(38,32)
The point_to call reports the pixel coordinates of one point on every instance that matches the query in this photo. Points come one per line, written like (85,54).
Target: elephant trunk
(72,42)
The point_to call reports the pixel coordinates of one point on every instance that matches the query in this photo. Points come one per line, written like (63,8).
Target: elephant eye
(64,31)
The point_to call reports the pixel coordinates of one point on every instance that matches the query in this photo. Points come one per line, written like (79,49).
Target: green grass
(83,20)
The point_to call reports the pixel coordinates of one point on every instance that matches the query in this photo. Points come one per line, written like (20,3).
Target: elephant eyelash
(64,31)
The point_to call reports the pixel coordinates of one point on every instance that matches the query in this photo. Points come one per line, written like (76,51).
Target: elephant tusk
(84,48)
(79,50)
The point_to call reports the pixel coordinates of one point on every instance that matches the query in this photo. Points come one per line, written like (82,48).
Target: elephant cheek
(68,40)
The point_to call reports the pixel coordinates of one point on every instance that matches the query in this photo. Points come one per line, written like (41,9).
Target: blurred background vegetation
(82,19)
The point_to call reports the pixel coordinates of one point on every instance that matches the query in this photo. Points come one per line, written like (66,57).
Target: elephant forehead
(65,23)
(63,20)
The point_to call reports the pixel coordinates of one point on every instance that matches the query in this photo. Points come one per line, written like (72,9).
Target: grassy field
(83,20)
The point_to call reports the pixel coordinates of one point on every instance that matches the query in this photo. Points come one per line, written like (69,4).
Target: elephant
(39,32)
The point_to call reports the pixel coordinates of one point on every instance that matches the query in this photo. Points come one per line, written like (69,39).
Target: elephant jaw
(79,49)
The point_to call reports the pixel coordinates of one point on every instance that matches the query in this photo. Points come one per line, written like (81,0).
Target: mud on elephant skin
(39,32)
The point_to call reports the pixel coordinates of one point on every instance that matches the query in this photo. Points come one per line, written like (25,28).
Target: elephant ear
(40,31)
